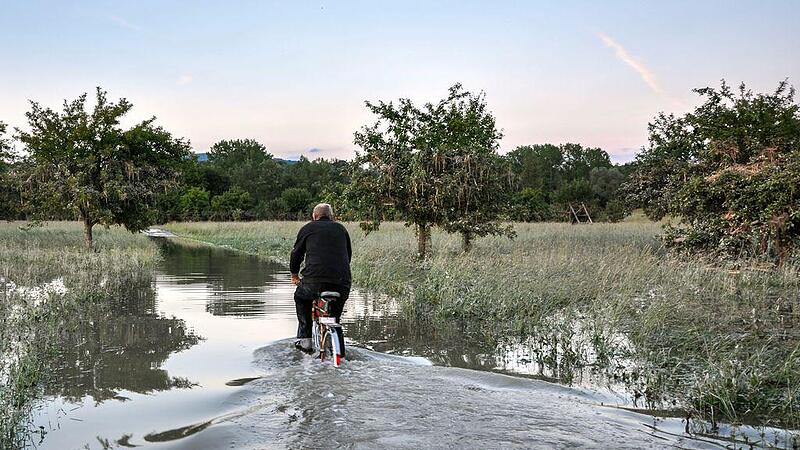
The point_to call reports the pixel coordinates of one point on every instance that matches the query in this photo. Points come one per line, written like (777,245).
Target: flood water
(202,358)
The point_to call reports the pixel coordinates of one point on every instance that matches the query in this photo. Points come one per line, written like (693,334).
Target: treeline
(241,180)
(550,177)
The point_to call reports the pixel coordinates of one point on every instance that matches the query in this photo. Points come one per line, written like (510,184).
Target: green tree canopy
(231,204)
(249,166)
(730,170)
(605,182)
(296,202)
(10,207)
(86,163)
(579,161)
(538,167)
(434,166)
(5,147)
(195,203)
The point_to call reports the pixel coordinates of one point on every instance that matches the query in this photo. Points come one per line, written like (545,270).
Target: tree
(730,170)
(605,182)
(249,166)
(655,179)
(205,175)
(579,190)
(579,161)
(9,189)
(195,203)
(530,205)
(5,147)
(538,167)
(86,163)
(435,166)
(296,201)
(231,204)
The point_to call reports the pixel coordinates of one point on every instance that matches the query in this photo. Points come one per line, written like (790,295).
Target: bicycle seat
(330,294)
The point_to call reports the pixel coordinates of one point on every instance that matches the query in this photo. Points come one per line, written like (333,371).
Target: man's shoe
(303,344)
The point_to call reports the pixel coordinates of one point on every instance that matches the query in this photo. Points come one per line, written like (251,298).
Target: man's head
(323,210)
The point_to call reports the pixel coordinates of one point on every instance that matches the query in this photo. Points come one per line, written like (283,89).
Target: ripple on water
(383,401)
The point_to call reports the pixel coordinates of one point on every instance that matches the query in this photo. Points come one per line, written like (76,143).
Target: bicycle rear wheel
(326,346)
(337,341)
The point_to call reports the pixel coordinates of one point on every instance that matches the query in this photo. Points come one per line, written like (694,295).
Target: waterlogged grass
(721,343)
(49,281)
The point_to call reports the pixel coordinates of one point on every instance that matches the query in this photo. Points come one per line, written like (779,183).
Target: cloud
(647,75)
(124,23)
(314,150)
(183,80)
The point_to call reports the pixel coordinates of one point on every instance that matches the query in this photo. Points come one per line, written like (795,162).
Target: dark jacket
(325,245)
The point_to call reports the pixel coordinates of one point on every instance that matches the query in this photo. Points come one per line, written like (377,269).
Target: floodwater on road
(202,359)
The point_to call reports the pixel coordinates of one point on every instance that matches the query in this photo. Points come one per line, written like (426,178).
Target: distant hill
(203,157)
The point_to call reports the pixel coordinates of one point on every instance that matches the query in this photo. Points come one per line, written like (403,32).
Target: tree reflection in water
(119,344)
(237,281)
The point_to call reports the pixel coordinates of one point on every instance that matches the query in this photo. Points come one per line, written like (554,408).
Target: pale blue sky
(294,74)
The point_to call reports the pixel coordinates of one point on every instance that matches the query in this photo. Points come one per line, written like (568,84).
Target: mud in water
(201,359)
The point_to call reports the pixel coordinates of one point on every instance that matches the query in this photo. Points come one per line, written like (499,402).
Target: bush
(730,170)
(231,204)
(195,203)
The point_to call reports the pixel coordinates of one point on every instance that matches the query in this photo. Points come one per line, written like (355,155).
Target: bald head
(323,210)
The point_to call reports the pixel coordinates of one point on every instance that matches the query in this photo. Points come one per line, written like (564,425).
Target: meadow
(49,285)
(715,341)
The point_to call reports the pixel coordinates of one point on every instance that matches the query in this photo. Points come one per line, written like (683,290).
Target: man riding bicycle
(325,246)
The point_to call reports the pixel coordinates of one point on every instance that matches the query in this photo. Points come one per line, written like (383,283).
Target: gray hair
(323,210)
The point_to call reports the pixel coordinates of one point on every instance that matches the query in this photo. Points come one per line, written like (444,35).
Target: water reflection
(237,282)
(108,346)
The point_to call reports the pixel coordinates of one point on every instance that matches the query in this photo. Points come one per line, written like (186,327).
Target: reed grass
(33,315)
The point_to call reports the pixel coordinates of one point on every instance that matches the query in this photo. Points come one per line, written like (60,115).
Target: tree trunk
(87,231)
(423,237)
(466,242)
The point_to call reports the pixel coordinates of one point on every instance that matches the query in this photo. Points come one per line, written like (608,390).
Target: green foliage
(530,205)
(435,166)
(564,174)
(579,161)
(211,177)
(195,203)
(605,182)
(296,202)
(538,167)
(5,147)
(231,204)
(578,190)
(249,166)
(245,166)
(10,202)
(85,163)
(730,170)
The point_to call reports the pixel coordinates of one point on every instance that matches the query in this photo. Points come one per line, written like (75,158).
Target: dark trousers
(304,296)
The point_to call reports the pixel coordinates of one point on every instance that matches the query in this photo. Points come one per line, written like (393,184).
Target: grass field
(48,283)
(723,343)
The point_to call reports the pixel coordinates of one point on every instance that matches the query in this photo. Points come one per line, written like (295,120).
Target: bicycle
(327,336)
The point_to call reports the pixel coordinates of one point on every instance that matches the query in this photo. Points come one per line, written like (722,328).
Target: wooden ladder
(579,215)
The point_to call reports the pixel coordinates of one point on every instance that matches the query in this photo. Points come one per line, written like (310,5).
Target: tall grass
(720,342)
(33,307)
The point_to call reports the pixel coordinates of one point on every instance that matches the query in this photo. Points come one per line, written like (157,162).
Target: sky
(294,75)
